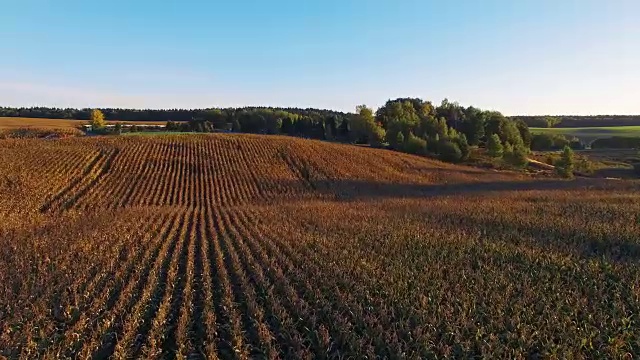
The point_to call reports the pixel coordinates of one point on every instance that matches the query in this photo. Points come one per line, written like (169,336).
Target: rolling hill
(247,246)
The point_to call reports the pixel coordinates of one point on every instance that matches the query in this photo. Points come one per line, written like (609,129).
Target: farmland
(589,134)
(246,246)
(53,124)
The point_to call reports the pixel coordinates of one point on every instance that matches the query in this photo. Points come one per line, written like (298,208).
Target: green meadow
(589,134)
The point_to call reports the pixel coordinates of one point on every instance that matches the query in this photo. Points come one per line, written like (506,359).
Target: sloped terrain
(241,246)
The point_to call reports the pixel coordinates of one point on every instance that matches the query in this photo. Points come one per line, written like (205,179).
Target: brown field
(8,123)
(240,246)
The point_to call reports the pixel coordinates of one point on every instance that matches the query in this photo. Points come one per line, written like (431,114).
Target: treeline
(579,121)
(309,123)
(164,115)
(406,124)
(617,142)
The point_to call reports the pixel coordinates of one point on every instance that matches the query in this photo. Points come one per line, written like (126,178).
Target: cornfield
(247,247)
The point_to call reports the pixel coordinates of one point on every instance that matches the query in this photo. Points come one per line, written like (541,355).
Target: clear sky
(515,56)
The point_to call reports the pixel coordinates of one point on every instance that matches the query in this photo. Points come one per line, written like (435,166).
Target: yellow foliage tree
(97,120)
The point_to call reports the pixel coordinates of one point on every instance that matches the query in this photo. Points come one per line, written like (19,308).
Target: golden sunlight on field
(247,246)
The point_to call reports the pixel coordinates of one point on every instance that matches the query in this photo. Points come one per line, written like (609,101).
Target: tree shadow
(610,245)
(345,190)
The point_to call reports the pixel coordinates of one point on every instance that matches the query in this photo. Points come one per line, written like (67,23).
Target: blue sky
(518,57)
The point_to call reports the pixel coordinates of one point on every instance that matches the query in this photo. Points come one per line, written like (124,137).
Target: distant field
(157,133)
(7,123)
(589,134)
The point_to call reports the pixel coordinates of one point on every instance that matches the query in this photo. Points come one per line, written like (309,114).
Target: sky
(524,57)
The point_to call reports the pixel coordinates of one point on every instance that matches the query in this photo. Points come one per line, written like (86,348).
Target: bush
(552,159)
(585,166)
(415,145)
(576,144)
(450,152)
(172,126)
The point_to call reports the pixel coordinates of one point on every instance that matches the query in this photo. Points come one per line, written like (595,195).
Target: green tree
(433,142)
(506,129)
(442,129)
(511,134)
(473,125)
(399,140)
(97,120)
(551,121)
(519,156)
(507,151)
(566,163)
(216,117)
(494,146)
(406,111)
(362,123)
(525,134)
(235,126)
(463,145)
(365,127)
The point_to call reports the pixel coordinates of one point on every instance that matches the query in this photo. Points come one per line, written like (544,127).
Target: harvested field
(246,246)
(8,123)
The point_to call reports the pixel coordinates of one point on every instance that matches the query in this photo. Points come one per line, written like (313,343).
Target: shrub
(576,144)
(172,126)
(450,152)
(415,145)
(585,166)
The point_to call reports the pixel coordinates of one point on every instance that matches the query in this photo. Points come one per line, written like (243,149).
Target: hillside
(247,246)
(220,170)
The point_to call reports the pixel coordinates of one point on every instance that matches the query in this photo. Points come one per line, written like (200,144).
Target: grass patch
(589,134)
